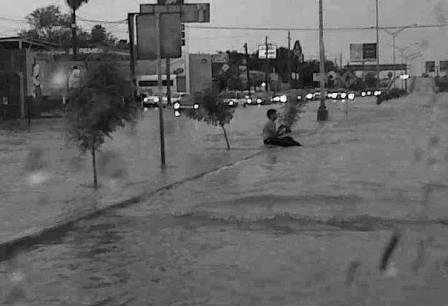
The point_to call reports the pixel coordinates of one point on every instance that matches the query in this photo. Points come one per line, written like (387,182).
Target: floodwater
(299,226)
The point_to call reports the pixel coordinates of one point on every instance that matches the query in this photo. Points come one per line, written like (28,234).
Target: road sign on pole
(165,19)
(170,30)
(190,13)
(272,51)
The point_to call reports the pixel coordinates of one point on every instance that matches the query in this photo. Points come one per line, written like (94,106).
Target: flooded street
(303,226)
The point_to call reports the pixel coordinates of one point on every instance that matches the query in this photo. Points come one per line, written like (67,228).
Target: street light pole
(322,113)
(377,47)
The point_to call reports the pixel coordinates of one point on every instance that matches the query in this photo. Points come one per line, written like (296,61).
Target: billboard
(271,54)
(430,66)
(363,52)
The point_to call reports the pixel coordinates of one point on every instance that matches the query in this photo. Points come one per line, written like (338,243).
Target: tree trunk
(225,135)
(95,179)
(74,38)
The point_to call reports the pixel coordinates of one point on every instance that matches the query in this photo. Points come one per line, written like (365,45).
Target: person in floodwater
(272,136)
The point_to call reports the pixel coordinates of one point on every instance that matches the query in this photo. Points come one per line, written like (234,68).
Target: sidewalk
(131,166)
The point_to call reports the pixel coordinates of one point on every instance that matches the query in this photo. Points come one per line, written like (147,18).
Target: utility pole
(394,37)
(132,51)
(160,86)
(168,80)
(247,69)
(74,38)
(267,66)
(377,46)
(322,113)
(289,57)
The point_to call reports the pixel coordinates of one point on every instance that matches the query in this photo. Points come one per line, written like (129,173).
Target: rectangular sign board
(383,67)
(170,34)
(272,51)
(363,52)
(220,58)
(190,12)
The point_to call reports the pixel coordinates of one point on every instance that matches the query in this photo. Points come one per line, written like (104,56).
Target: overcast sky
(279,13)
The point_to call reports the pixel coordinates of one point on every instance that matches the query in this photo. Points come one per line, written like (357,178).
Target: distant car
(369,92)
(230,102)
(279,99)
(150,101)
(258,100)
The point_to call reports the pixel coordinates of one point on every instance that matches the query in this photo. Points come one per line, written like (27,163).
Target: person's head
(272,114)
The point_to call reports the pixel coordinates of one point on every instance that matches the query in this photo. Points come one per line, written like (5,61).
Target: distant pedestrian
(74,80)
(272,136)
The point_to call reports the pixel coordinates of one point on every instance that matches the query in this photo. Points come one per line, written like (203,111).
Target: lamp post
(377,46)
(394,35)
(322,113)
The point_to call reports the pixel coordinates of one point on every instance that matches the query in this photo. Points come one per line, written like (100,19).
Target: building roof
(17,42)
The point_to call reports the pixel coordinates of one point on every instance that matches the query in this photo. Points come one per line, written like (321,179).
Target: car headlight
(156,99)
(259,101)
(343,95)
(196,106)
(176,105)
(276,99)
(249,101)
(363,94)
(369,93)
(177,113)
(146,99)
(309,96)
(299,98)
(231,103)
(351,96)
(283,99)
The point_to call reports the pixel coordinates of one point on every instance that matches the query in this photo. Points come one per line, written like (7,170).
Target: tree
(74,6)
(99,36)
(100,106)
(292,110)
(213,111)
(48,24)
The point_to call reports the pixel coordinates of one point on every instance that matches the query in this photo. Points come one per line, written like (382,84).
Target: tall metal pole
(289,57)
(377,46)
(132,51)
(267,66)
(160,86)
(168,80)
(247,70)
(322,113)
(394,36)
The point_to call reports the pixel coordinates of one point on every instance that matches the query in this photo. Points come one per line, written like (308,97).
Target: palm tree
(74,6)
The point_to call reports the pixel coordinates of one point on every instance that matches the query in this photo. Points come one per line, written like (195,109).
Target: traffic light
(183,34)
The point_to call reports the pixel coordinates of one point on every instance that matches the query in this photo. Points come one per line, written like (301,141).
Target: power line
(101,21)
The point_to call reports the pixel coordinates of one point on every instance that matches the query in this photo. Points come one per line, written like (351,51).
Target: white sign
(272,51)
(220,58)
